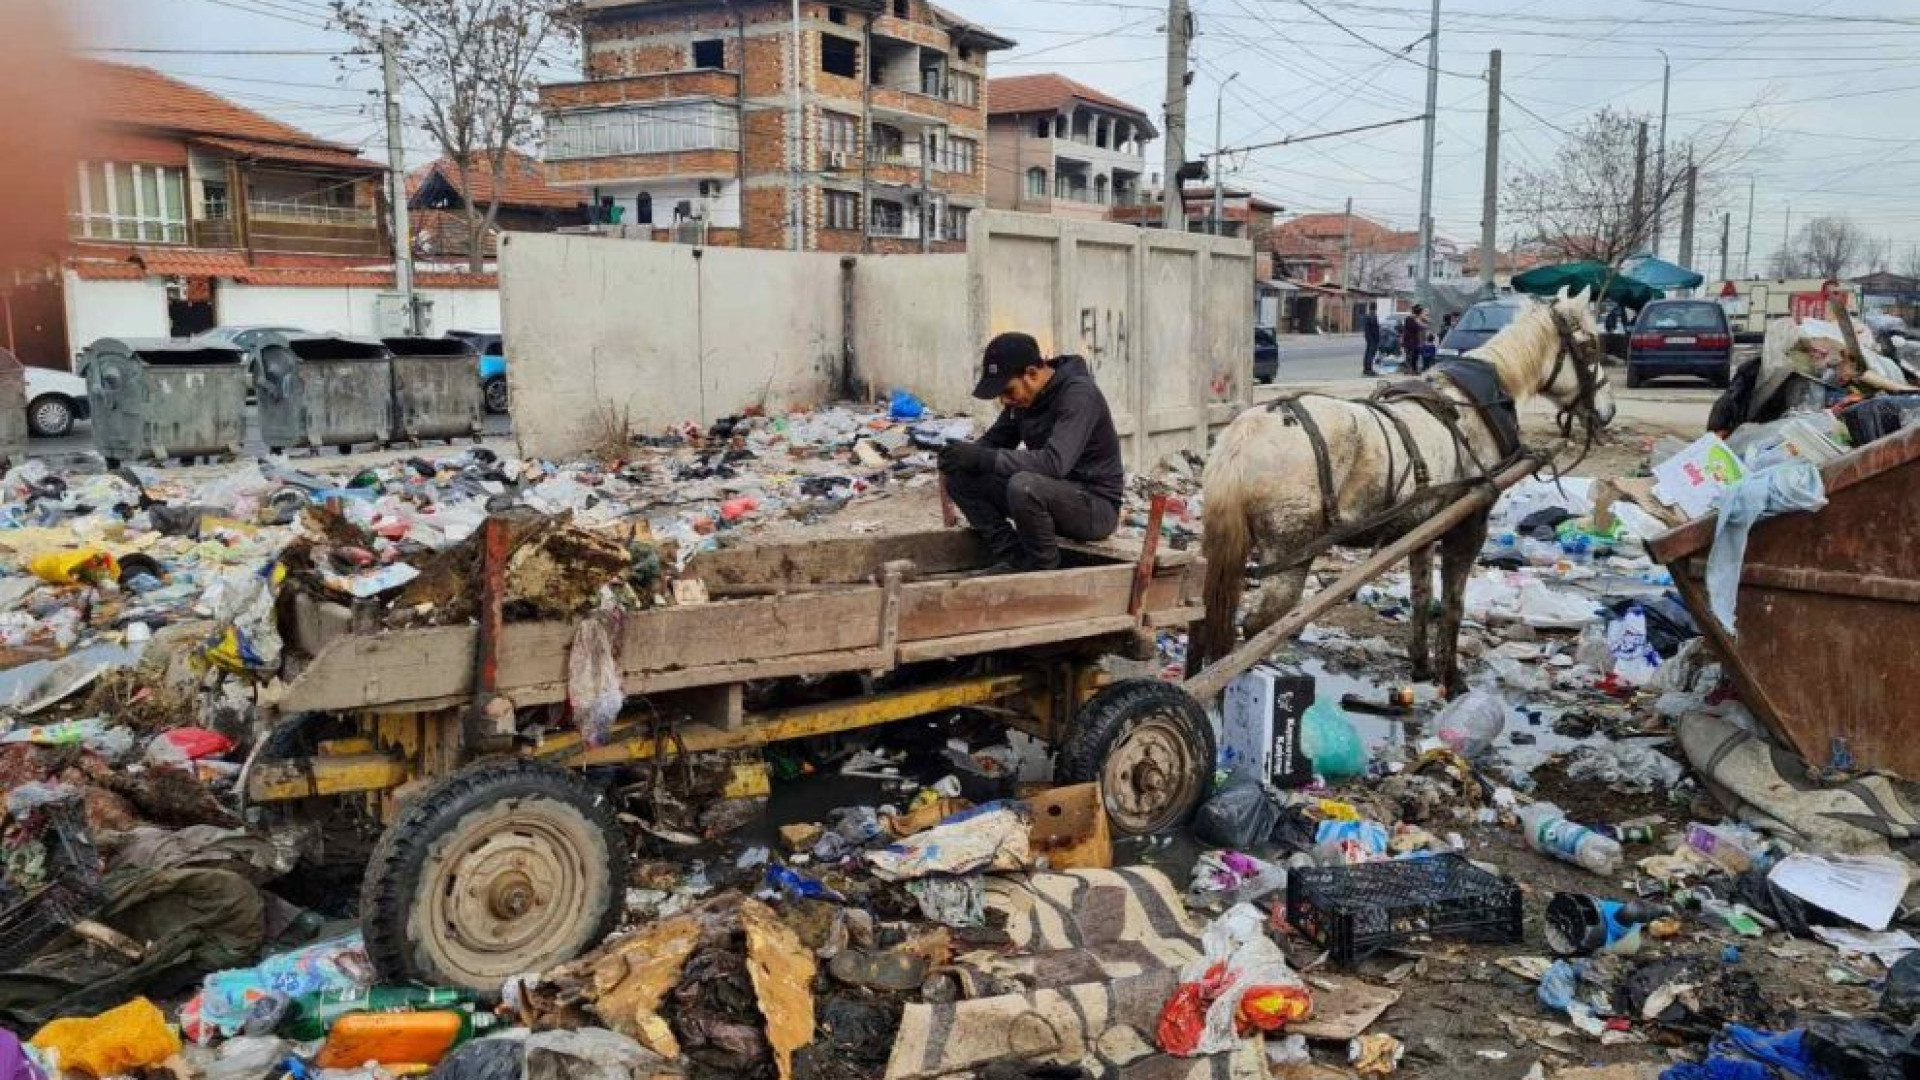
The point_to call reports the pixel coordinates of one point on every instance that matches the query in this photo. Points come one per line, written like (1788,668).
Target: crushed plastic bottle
(1469,725)
(1547,830)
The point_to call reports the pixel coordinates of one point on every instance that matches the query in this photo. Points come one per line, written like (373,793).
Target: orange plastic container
(403,1038)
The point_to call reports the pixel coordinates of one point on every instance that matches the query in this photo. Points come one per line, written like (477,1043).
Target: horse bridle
(1583,409)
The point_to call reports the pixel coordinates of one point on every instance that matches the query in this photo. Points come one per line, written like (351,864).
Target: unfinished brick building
(691,125)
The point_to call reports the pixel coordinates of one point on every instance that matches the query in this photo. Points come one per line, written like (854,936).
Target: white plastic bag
(1237,941)
(1634,660)
(594,689)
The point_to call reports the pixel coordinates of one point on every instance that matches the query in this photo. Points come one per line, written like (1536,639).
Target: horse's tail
(1226,541)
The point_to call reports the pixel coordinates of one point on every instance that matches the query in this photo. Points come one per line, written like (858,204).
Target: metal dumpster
(324,390)
(153,399)
(1829,612)
(436,388)
(13,409)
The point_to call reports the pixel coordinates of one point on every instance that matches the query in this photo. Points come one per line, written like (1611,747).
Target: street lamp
(1219,115)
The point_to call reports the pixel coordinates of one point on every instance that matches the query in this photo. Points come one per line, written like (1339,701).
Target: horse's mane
(1523,351)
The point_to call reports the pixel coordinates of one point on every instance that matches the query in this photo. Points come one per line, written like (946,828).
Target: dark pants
(1023,517)
(1366,362)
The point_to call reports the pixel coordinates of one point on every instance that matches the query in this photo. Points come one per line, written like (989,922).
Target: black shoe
(1000,569)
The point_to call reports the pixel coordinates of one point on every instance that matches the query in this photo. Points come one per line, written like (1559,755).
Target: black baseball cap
(1007,357)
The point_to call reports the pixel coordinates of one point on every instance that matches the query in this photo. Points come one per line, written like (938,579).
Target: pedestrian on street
(1446,324)
(1370,330)
(1049,467)
(1413,336)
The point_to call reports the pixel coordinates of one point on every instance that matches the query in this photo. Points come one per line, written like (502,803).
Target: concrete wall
(97,309)
(349,310)
(647,335)
(660,333)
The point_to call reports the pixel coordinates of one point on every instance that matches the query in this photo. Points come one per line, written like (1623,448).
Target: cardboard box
(1260,724)
(1070,828)
(1695,479)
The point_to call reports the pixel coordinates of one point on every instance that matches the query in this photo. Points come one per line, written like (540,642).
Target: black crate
(71,893)
(1352,911)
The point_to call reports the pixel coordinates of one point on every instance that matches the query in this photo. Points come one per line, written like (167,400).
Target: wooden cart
(500,856)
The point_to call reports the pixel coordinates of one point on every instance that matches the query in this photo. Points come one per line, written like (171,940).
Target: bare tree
(1582,204)
(476,68)
(1832,245)
(1910,262)
(1375,271)
(1789,261)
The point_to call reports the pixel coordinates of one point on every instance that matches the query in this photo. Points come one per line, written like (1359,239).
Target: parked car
(1681,337)
(1266,354)
(1479,324)
(55,400)
(249,340)
(493,365)
(1390,334)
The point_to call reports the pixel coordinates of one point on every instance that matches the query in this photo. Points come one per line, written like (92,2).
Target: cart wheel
(502,868)
(1151,748)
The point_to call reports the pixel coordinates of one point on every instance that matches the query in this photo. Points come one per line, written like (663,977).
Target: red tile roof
(1318,234)
(1051,93)
(95,270)
(525,183)
(191,262)
(437,279)
(339,158)
(123,96)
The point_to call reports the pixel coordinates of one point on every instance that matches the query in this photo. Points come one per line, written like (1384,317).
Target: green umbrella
(1575,276)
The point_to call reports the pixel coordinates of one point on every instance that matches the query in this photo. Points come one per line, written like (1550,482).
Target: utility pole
(397,182)
(1660,170)
(1787,267)
(1490,199)
(1346,250)
(797,146)
(1219,169)
(1686,219)
(1179,37)
(1746,254)
(1639,188)
(1426,157)
(1726,240)
(926,193)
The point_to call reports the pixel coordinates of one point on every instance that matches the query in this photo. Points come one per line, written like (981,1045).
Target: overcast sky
(1827,92)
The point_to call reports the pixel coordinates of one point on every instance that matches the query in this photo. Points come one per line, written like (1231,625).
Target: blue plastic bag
(906,407)
(1332,742)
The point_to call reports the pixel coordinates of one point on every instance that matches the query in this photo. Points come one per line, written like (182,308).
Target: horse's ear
(1562,294)
(1586,296)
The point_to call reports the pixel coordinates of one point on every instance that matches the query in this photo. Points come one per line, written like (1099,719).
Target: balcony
(313,229)
(627,130)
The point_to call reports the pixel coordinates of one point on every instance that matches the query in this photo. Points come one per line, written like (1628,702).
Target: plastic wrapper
(120,1040)
(337,964)
(594,689)
(1331,742)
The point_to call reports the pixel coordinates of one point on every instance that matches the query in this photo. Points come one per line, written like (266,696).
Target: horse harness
(1476,380)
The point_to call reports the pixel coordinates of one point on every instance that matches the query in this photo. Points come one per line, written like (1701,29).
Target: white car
(55,400)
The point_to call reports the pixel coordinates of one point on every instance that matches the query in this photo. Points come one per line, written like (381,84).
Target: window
(837,16)
(888,219)
(1037,183)
(903,9)
(1708,318)
(839,135)
(839,56)
(131,202)
(887,144)
(1043,129)
(1100,190)
(955,224)
(960,156)
(1486,317)
(213,197)
(963,88)
(643,129)
(843,210)
(933,82)
(643,209)
(710,54)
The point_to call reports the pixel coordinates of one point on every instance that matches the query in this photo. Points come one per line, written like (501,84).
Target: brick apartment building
(685,126)
(1055,146)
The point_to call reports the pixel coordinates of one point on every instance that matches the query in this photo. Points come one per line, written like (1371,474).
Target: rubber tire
(1634,379)
(488,391)
(33,416)
(1103,722)
(388,893)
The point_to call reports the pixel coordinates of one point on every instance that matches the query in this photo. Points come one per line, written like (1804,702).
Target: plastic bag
(1241,976)
(905,406)
(117,1041)
(594,689)
(74,567)
(1900,998)
(1634,660)
(1861,1049)
(1241,814)
(1331,742)
(1469,725)
(1794,486)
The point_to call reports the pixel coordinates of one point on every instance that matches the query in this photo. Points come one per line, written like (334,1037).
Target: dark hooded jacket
(1067,433)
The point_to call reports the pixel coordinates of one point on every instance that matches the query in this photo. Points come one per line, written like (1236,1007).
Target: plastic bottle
(1734,850)
(1547,830)
(1578,548)
(312,1016)
(1469,725)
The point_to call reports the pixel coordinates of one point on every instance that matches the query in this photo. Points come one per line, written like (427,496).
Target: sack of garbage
(1241,814)
(1331,742)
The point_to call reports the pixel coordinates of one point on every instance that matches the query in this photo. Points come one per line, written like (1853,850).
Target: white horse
(1274,494)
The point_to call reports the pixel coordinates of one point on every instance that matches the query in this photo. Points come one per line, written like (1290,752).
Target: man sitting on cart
(1049,467)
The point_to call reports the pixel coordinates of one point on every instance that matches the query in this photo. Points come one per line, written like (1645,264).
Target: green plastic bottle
(313,1015)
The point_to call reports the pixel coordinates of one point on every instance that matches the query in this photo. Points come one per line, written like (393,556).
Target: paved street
(1319,357)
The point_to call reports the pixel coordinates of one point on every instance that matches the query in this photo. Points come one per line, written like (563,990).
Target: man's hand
(966,457)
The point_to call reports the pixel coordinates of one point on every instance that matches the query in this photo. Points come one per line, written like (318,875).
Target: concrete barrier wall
(652,334)
(605,333)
